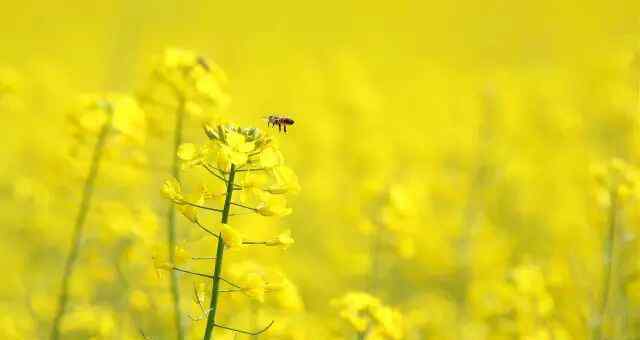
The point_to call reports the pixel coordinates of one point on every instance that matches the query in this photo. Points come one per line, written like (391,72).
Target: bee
(280,121)
(203,62)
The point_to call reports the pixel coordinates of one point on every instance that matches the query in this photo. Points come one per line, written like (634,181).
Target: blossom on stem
(284,239)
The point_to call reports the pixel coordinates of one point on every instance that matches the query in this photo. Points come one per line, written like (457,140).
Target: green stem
(78,229)
(213,307)
(608,253)
(375,250)
(171,221)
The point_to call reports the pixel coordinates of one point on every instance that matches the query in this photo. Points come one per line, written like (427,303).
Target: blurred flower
(232,237)
(366,313)
(273,206)
(254,286)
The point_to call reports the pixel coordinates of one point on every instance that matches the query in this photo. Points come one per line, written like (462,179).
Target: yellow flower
(187,151)
(193,108)
(161,258)
(201,293)
(193,155)
(286,181)
(400,200)
(10,80)
(274,206)
(189,211)
(176,58)
(158,264)
(529,279)
(355,307)
(255,286)
(406,247)
(365,312)
(236,148)
(181,255)
(270,157)
(617,177)
(252,184)
(232,238)
(129,118)
(539,334)
(90,115)
(209,86)
(286,294)
(284,239)
(172,190)
(139,300)
(390,321)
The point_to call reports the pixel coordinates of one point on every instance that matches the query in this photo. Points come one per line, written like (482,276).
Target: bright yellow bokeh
(456,170)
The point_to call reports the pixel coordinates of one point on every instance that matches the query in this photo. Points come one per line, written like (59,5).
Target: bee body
(202,62)
(280,122)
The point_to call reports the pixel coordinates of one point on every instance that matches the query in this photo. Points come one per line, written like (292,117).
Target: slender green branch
(244,206)
(220,177)
(254,319)
(246,170)
(192,273)
(376,258)
(229,282)
(246,332)
(207,231)
(243,214)
(171,217)
(199,303)
(211,318)
(199,206)
(143,335)
(78,229)
(224,173)
(608,254)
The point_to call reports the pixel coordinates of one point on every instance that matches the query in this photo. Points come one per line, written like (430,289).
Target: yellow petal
(171,189)
(232,238)
(187,151)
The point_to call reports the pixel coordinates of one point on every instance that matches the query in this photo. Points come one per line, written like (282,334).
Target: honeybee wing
(280,120)
(268,119)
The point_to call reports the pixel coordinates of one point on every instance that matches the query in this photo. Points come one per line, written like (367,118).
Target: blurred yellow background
(468,169)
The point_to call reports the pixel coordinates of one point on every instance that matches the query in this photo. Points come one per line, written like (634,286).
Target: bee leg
(285,128)
(279,127)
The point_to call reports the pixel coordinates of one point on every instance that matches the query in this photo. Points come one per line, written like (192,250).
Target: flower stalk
(171,220)
(81,218)
(211,318)
(229,149)
(608,254)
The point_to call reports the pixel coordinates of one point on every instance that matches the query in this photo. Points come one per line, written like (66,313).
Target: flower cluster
(121,111)
(185,83)
(616,178)
(264,180)
(369,317)
(248,161)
